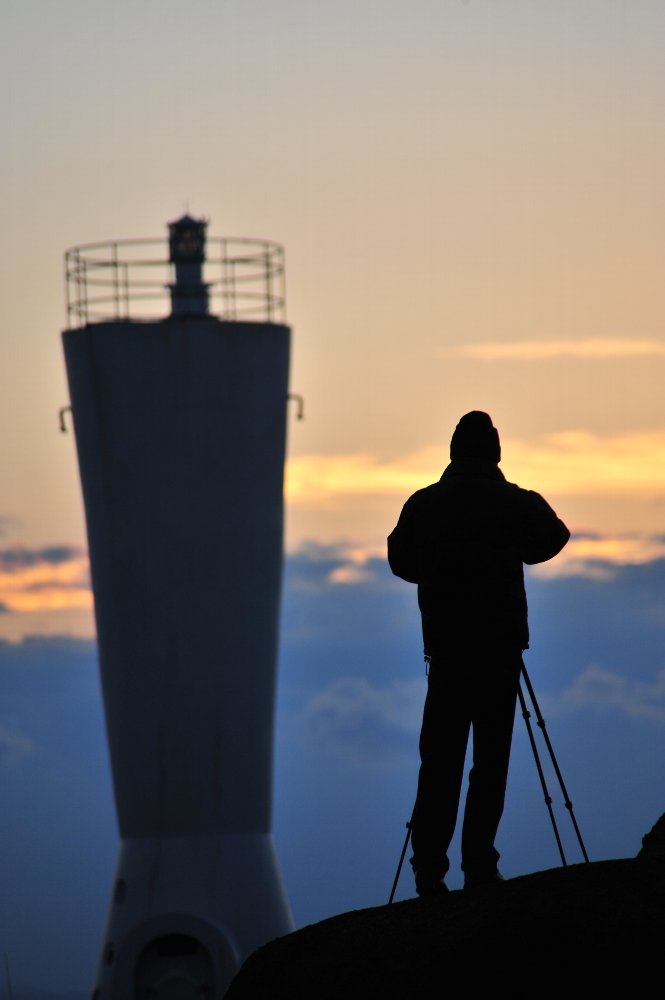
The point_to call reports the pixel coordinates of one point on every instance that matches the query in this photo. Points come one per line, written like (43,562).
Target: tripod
(526,714)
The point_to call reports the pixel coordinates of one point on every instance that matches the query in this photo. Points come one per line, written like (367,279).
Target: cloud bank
(572,463)
(351,685)
(44,579)
(589,349)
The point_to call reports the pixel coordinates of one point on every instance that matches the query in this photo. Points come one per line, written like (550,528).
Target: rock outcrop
(587,930)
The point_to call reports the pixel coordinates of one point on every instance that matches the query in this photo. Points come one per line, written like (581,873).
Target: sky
(470,199)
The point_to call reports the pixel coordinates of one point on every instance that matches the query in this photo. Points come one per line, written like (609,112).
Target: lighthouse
(177,362)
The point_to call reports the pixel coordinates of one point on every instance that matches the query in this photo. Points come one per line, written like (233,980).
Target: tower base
(186,912)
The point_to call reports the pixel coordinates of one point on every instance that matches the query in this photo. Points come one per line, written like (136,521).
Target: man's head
(475,437)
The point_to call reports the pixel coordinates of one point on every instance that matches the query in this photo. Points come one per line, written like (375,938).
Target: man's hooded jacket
(464,541)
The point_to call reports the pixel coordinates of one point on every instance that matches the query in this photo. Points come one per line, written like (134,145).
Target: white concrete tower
(180,427)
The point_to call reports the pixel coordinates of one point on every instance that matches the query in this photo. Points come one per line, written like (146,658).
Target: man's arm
(545,533)
(403,556)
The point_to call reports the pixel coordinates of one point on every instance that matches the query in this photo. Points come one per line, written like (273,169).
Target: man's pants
(468,689)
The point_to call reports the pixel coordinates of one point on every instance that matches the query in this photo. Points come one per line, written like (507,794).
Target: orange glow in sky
(46,587)
(471,203)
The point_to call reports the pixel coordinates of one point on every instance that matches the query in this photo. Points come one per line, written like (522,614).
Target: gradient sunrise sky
(471,200)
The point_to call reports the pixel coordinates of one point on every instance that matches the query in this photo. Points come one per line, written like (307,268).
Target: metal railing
(131,280)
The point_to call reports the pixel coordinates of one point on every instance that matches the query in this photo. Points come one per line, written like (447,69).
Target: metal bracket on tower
(300,412)
(61,413)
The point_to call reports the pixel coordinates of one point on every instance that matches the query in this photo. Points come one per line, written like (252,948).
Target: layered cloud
(53,578)
(579,463)
(351,686)
(597,640)
(591,349)
(325,479)
(596,555)
(573,463)
(356,718)
(599,556)
(609,691)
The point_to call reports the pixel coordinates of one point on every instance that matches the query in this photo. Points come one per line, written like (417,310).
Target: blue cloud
(609,692)
(371,723)
(18,557)
(13,743)
(351,682)
(58,834)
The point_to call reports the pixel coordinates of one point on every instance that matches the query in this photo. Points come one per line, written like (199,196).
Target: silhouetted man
(464,541)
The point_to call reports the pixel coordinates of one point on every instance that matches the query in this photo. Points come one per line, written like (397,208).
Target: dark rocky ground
(588,930)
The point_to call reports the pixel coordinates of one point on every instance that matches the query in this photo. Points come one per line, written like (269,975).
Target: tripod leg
(401,860)
(542,727)
(548,799)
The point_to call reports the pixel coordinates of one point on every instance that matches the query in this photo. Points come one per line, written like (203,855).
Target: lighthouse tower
(180,427)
